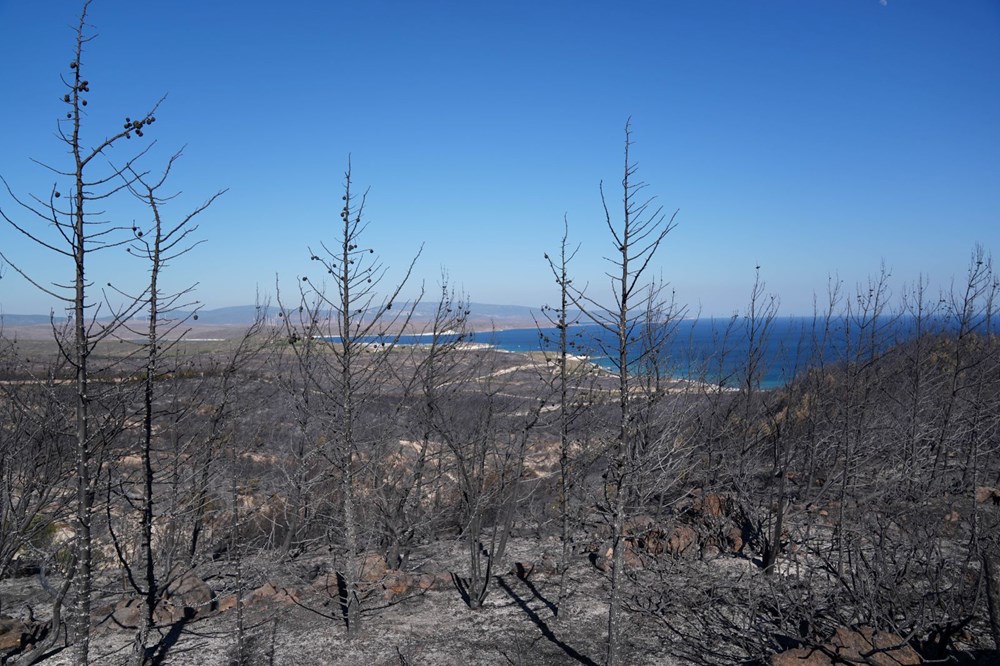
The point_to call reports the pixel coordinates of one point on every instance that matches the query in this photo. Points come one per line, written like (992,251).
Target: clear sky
(811,137)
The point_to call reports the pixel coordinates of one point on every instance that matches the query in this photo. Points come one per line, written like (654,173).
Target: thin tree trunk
(84,492)
(991,569)
(146,536)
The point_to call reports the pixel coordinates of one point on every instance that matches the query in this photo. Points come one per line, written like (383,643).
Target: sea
(716,351)
(724,352)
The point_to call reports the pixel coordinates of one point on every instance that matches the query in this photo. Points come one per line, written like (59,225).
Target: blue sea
(714,351)
(719,351)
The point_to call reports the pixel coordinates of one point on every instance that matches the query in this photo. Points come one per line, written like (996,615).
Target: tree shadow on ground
(463,588)
(522,575)
(157,654)
(571,652)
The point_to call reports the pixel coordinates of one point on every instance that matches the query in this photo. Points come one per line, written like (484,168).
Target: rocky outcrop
(271,594)
(682,540)
(986,494)
(397,584)
(862,645)
(12,632)
(187,590)
(371,568)
(19,635)
(375,577)
(707,525)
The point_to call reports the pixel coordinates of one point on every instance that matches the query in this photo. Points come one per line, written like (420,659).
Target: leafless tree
(635,241)
(485,428)
(358,330)
(304,471)
(762,425)
(158,245)
(81,232)
(406,490)
(569,376)
(34,448)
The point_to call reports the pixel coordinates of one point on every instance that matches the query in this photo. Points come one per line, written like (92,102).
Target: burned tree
(167,312)
(569,379)
(357,330)
(408,493)
(80,232)
(638,302)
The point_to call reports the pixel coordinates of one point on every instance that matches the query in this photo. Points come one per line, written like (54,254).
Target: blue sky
(811,137)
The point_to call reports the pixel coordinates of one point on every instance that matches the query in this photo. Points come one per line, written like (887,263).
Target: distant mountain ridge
(29,320)
(480,315)
(424,311)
